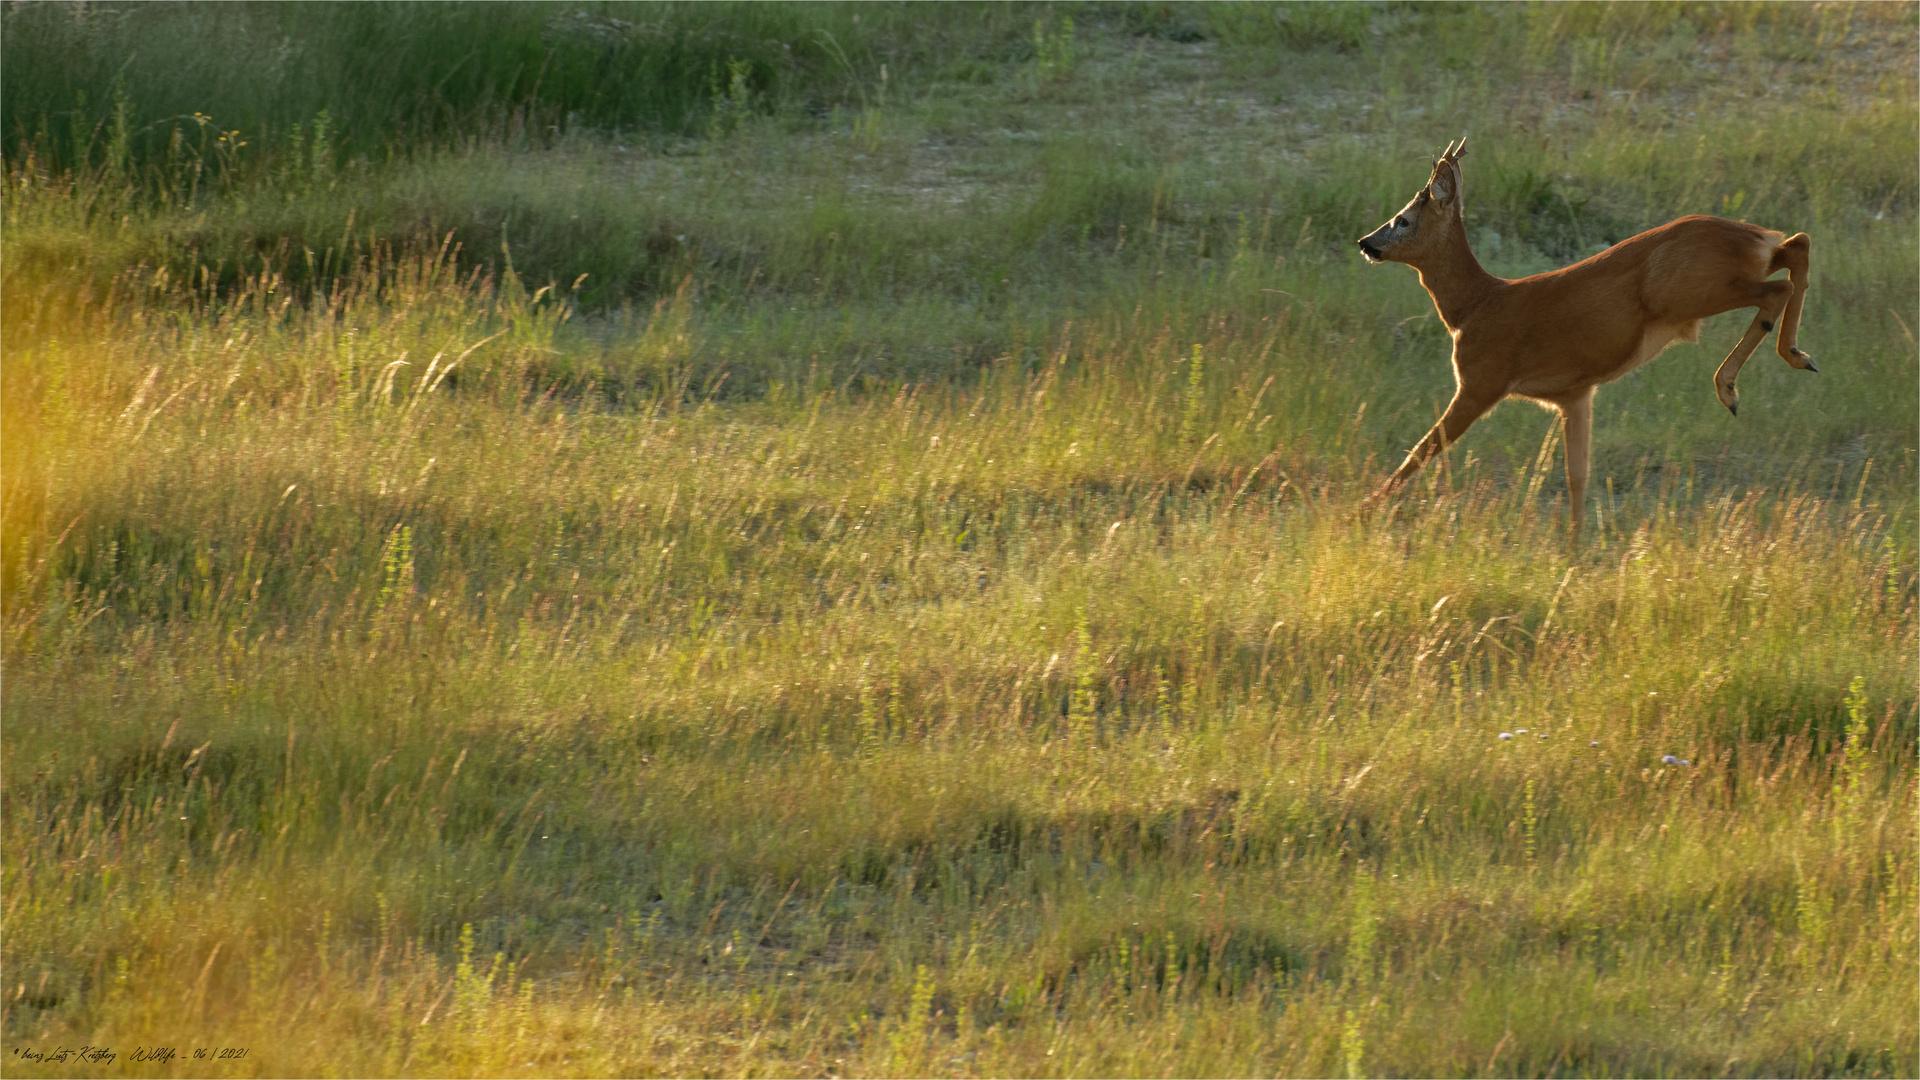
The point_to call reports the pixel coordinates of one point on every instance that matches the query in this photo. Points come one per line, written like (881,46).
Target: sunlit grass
(417,667)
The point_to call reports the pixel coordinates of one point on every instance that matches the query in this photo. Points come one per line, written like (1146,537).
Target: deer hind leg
(1771,297)
(1793,256)
(1577,412)
(1461,412)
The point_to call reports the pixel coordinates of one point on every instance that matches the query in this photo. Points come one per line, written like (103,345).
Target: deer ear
(1445,182)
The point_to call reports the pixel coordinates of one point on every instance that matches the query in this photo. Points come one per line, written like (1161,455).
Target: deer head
(1422,225)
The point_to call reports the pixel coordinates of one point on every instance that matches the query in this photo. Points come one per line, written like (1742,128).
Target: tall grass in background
(902,611)
(134,84)
(806,186)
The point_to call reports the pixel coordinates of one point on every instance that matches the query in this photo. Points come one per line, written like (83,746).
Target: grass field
(822,540)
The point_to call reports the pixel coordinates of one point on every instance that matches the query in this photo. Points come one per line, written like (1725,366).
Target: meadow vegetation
(822,539)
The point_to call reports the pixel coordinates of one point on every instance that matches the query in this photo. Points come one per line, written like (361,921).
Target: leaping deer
(1552,338)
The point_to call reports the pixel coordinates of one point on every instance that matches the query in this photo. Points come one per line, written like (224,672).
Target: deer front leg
(1577,413)
(1772,299)
(1460,415)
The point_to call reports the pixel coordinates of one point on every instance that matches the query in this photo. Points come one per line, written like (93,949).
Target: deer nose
(1368,249)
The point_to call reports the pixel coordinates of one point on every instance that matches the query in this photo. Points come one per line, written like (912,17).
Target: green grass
(133,85)
(905,611)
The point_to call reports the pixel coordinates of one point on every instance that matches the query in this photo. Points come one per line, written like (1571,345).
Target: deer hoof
(1808,360)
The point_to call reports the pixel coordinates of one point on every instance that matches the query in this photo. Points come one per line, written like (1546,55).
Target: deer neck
(1453,277)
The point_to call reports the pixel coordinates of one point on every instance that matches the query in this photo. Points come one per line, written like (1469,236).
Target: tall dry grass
(415,668)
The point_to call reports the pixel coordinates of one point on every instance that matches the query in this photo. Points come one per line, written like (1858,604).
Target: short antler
(1451,155)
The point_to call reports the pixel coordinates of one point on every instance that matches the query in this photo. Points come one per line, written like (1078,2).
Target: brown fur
(1554,337)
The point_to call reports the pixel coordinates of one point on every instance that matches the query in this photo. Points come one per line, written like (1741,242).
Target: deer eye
(1400,222)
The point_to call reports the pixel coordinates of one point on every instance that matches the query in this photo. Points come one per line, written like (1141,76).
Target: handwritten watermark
(107,1055)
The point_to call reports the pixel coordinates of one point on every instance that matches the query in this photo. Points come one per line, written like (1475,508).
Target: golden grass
(575,713)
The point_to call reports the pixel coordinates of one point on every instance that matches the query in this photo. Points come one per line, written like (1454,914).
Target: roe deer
(1552,338)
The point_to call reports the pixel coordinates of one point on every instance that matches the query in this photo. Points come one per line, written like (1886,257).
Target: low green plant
(1052,50)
